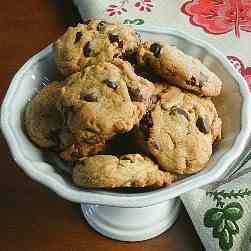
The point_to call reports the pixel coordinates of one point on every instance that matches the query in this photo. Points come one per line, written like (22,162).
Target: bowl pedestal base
(132,224)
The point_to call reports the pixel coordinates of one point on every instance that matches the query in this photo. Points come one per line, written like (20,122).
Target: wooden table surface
(31,216)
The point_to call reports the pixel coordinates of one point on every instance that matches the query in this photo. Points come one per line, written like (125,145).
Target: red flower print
(239,66)
(219,16)
(143,5)
(120,7)
(117,9)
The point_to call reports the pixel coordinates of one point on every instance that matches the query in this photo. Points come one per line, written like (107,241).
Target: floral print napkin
(224,23)
(220,212)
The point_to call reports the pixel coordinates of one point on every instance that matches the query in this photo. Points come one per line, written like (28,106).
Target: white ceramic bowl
(232,105)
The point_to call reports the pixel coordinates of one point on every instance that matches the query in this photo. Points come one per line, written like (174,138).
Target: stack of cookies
(119,87)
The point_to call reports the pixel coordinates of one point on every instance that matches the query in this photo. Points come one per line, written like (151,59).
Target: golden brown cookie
(42,119)
(131,170)
(179,69)
(90,43)
(45,125)
(105,100)
(180,130)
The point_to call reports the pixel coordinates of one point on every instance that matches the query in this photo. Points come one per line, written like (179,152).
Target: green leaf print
(218,229)
(225,240)
(232,227)
(213,217)
(136,21)
(233,211)
(222,219)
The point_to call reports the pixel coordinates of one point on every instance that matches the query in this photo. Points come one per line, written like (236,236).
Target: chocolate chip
(78,36)
(155,48)
(110,83)
(91,97)
(121,44)
(145,124)
(114,38)
(135,94)
(100,26)
(146,71)
(202,79)
(203,124)
(87,49)
(180,111)
(130,56)
(191,81)
(172,110)
(188,163)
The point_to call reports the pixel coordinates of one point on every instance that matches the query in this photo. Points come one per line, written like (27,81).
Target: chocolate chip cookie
(180,69)
(42,120)
(180,130)
(93,42)
(104,100)
(132,170)
(45,125)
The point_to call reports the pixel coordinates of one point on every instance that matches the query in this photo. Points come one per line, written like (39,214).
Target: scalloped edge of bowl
(134,199)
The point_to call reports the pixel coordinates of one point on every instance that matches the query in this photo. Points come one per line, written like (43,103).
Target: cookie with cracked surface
(180,69)
(131,170)
(105,100)
(180,130)
(45,126)
(93,42)
(42,120)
